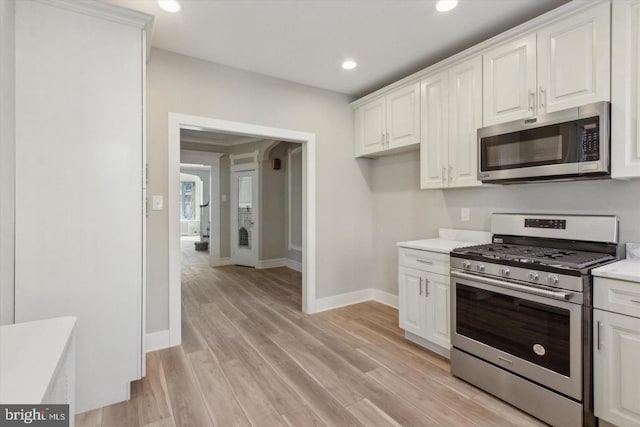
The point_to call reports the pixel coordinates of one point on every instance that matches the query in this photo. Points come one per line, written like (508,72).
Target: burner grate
(563,258)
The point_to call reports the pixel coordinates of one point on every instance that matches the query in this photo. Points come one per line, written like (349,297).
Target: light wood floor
(250,357)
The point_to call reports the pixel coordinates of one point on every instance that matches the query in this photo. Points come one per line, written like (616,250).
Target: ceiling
(306,41)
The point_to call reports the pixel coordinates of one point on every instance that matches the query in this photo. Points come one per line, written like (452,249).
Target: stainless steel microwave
(563,145)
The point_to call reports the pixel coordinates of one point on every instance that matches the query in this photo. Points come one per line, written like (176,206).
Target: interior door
(244,218)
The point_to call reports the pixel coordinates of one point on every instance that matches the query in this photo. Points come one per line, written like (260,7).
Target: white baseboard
(157,341)
(384,297)
(271,263)
(220,262)
(356,297)
(294,265)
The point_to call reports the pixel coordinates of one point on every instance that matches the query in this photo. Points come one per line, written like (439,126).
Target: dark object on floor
(201,246)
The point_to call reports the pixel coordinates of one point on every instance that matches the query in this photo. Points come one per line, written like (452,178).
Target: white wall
(403,212)
(7,159)
(181,84)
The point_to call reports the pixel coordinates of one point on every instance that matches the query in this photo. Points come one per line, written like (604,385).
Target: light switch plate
(157,203)
(464,214)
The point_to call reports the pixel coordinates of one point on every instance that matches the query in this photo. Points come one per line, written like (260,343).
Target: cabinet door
(370,127)
(403,116)
(411,301)
(437,316)
(574,60)
(617,368)
(465,117)
(509,81)
(434,100)
(625,112)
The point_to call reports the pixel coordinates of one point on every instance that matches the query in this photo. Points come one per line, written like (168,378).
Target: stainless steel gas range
(521,312)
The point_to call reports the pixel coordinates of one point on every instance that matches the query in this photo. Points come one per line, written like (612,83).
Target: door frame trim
(176,121)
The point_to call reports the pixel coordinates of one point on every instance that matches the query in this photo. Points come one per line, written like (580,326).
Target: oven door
(538,337)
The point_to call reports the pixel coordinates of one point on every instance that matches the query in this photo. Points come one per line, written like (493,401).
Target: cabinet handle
(635,300)
(450,172)
(421,286)
(382,139)
(444,173)
(504,359)
(598,335)
(532,100)
(542,97)
(426,286)
(387,139)
(424,261)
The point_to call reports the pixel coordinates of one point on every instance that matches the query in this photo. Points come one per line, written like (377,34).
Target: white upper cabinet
(434,150)
(574,60)
(563,65)
(509,81)
(465,117)
(403,117)
(388,123)
(370,129)
(625,114)
(451,115)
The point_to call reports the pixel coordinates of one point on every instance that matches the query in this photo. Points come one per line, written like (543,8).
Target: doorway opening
(246,231)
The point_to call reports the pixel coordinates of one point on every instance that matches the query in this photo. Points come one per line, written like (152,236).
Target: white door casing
(177,121)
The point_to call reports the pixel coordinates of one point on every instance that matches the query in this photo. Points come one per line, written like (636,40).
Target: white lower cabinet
(423,302)
(616,352)
(617,368)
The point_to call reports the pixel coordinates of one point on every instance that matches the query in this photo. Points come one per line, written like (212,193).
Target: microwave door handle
(513,286)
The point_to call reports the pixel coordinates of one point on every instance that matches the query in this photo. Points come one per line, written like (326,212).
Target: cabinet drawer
(618,296)
(434,262)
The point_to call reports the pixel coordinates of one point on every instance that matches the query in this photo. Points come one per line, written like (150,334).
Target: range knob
(480,267)
(533,276)
(504,271)
(466,265)
(552,279)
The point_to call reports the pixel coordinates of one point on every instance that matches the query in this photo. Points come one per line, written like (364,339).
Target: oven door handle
(513,286)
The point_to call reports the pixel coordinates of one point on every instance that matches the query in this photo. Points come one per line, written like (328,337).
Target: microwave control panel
(590,142)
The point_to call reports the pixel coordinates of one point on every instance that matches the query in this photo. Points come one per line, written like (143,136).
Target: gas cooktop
(532,255)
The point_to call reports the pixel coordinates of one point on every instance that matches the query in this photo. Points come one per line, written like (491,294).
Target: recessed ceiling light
(349,65)
(446,5)
(172,6)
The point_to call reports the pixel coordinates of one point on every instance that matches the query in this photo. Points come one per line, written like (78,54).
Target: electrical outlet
(464,214)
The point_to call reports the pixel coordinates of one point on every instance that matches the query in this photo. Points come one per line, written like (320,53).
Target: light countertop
(30,355)
(626,269)
(448,240)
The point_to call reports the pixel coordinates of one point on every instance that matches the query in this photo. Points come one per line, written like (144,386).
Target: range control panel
(558,224)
